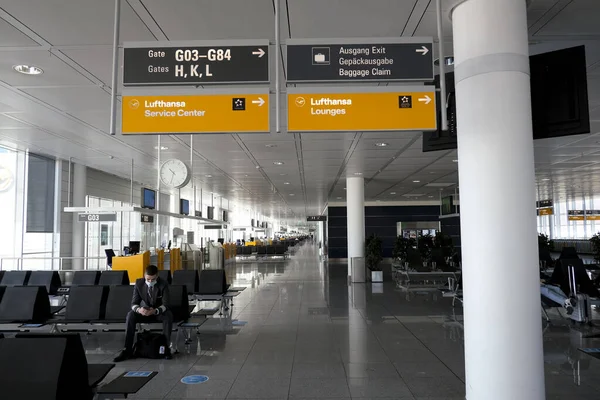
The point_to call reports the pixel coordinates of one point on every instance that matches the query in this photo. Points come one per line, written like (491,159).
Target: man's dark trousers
(134,318)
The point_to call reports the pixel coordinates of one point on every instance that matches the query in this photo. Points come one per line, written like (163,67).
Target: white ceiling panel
(12,37)
(84,22)
(9,123)
(325,145)
(56,72)
(348,18)
(73,99)
(205,19)
(97,60)
(577,18)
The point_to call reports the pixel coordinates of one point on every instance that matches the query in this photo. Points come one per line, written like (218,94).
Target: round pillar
(503,328)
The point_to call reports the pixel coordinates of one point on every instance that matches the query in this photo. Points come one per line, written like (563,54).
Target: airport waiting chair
(189,278)
(179,303)
(85,278)
(165,275)
(1,276)
(568,253)
(212,282)
(49,279)
(74,349)
(42,370)
(110,253)
(86,304)
(15,278)
(25,304)
(118,304)
(109,278)
(2,290)
(261,251)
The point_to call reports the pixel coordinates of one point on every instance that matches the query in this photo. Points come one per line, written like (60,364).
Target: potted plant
(425,244)
(544,242)
(595,241)
(373,257)
(400,252)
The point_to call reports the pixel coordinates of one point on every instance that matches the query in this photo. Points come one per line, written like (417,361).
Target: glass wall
(101,236)
(21,247)
(558,226)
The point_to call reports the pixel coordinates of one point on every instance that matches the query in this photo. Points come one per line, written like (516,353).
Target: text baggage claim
(360,61)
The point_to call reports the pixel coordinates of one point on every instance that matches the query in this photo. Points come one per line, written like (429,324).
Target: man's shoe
(168,355)
(122,356)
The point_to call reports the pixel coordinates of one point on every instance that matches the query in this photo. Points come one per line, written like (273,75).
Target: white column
(355,200)
(503,332)
(79,190)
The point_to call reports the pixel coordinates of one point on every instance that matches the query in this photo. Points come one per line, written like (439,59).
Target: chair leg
(546,314)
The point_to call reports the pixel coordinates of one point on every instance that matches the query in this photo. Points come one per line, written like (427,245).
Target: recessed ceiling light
(270,145)
(208,176)
(257,167)
(277,162)
(339,198)
(292,194)
(161,147)
(454,160)
(358,173)
(286,183)
(28,69)
(416,181)
(392,192)
(431,197)
(246,175)
(381,144)
(546,179)
(282,174)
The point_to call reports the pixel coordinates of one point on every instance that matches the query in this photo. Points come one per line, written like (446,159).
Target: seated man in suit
(149,303)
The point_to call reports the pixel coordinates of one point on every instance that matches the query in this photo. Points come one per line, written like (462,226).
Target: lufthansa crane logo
(134,104)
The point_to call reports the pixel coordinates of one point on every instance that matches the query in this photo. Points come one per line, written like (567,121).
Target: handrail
(20,261)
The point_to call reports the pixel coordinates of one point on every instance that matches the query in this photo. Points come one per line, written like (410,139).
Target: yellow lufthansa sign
(213,113)
(380,111)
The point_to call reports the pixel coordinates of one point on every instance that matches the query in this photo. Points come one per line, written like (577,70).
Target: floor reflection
(299,331)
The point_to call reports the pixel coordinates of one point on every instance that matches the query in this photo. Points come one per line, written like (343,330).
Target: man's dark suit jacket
(160,295)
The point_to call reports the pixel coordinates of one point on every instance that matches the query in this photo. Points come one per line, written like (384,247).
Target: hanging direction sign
(97,217)
(195,63)
(362,109)
(374,59)
(147,219)
(316,218)
(205,113)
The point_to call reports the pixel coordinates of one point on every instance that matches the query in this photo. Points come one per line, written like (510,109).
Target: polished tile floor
(298,332)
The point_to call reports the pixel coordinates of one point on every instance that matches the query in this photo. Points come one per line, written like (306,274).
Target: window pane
(40,194)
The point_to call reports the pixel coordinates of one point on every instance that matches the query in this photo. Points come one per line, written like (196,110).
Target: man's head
(151,274)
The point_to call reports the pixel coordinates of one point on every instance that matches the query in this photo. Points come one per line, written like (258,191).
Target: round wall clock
(175,174)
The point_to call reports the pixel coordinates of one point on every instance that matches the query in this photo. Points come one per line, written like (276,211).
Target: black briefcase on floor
(150,345)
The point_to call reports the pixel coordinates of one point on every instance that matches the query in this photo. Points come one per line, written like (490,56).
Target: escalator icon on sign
(320,56)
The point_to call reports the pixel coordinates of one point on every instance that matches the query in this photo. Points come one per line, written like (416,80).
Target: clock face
(175,174)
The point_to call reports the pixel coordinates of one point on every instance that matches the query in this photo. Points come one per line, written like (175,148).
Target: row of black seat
(278,250)
(87,304)
(52,281)
(54,367)
(205,282)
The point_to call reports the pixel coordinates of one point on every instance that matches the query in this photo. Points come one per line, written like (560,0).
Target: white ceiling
(65,111)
